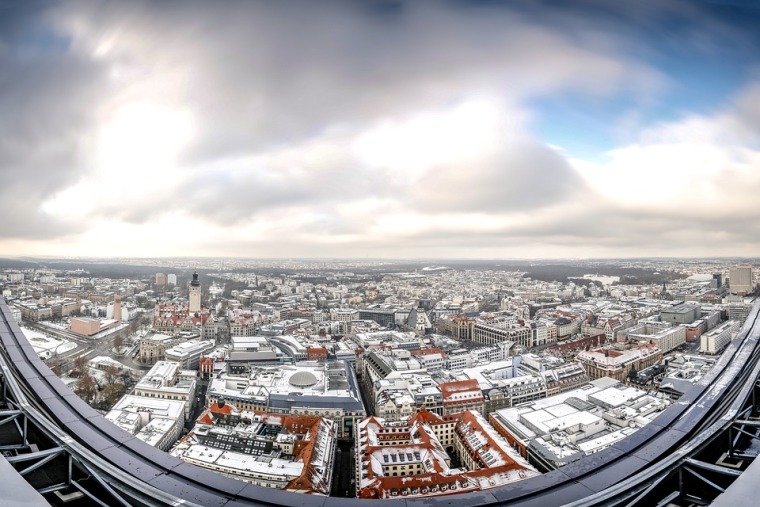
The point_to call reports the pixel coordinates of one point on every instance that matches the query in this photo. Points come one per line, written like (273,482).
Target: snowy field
(47,347)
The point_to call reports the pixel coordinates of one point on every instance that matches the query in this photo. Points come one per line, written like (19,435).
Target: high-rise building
(117,308)
(195,294)
(740,279)
(160,279)
(171,279)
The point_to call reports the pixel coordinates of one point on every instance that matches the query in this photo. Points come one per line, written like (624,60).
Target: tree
(111,374)
(118,341)
(86,387)
(56,366)
(112,393)
(80,363)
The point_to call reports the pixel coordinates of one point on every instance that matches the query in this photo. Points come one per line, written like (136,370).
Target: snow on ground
(45,346)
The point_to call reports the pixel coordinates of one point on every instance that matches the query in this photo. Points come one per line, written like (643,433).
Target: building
(460,327)
(511,331)
(739,312)
(194,295)
(685,313)
(740,280)
(384,317)
(399,398)
(294,453)
(714,341)
(157,422)
(461,395)
(558,430)
(661,334)
(617,363)
(167,381)
(253,349)
(243,323)
(414,458)
(188,353)
(85,326)
(316,353)
(153,347)
(117,308)
(327,389)
(176,318)
(160,279)
(344,314)
(171,279)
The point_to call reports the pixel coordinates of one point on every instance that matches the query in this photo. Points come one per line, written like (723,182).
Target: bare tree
(112,393)
(56,366)
(118,341)
(111,374)
(86,387)
(80,363)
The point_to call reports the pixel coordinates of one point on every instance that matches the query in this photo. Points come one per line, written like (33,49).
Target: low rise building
(294,453)
(167,381)
(662,334)
(85,326)
(561,429)
(157,422)
(327,389)
(188,353)
(684,313)
(616,363)
(253,349)
(509,330)
(153,347)
(714,341)
(461,395)
(414,458)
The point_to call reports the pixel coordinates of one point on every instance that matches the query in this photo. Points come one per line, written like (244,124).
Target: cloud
(333,127)
(46,103)
(686,184)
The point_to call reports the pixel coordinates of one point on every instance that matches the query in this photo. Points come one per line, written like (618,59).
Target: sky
(381,129)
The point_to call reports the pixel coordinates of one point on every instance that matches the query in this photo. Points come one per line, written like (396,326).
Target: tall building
(740,279)
(117,308)
(195,294)
(160,279)
(171,279)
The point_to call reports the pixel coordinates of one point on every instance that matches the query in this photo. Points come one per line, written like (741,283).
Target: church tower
(195,294)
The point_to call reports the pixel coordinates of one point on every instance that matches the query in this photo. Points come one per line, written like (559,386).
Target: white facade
(713,342)
(188,353)
(162,382)
(157,422)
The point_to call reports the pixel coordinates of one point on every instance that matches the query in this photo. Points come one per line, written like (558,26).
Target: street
(343,472)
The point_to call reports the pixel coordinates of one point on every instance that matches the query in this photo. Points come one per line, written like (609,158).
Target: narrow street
(343,473)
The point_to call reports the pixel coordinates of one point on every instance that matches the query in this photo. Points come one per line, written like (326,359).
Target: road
(91,347)
(343,471)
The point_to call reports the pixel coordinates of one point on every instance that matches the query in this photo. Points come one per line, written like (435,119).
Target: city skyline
(484,130)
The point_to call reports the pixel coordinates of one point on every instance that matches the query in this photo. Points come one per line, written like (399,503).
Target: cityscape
(377,379)
(418,252)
